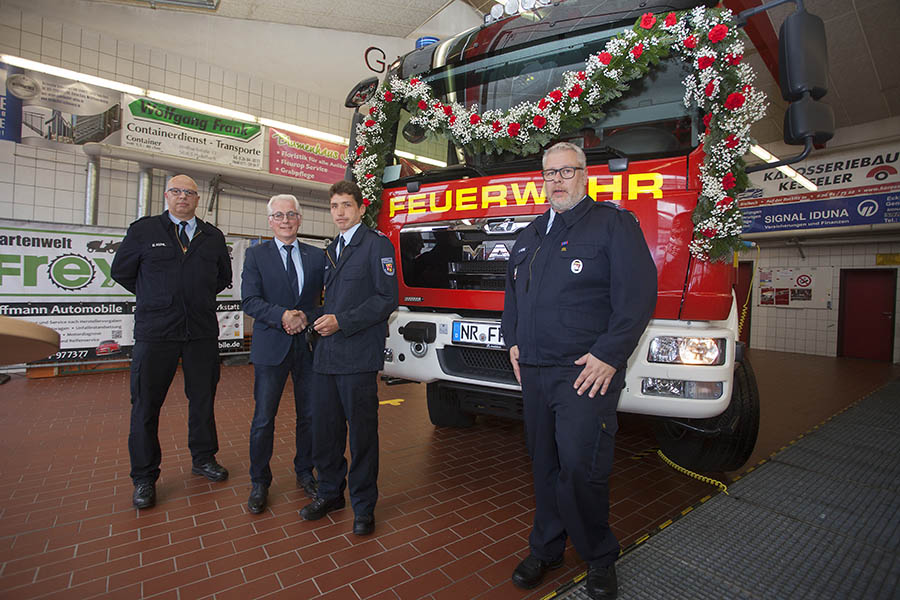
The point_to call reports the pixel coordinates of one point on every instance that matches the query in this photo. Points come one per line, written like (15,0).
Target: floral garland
(720,85)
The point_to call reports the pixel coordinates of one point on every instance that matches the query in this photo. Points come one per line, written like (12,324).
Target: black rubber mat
(821,519)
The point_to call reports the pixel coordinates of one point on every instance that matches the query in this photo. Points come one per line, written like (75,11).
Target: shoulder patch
(387,265)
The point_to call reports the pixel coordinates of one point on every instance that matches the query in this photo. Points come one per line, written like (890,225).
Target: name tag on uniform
(158,245)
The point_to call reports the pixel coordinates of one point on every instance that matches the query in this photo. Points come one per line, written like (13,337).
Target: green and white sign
(159,127)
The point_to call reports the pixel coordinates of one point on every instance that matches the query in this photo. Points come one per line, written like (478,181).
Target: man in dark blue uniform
(360,295)
(580,290)
(281,288)
(175,264)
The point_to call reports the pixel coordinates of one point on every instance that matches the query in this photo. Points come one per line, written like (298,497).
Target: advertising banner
(160,127)
(47,110)
(58,276)
(302,157)
(858,187)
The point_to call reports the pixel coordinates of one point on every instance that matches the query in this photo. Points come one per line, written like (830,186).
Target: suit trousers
(342,400)
(570,440)
(268,386)
(153,366)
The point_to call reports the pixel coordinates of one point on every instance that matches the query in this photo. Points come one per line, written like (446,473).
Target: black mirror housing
(807,118)
(802,57)
(362,92)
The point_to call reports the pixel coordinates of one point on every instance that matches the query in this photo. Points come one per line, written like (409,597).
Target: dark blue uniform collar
(569,218)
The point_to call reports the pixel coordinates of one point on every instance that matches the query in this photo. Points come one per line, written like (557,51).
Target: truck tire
(727,450)
(444,407)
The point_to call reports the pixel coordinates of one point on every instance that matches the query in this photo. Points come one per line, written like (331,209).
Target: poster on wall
(58,276)
(46,110)
(164,128)
(302,157)
(858,187)
(795,287)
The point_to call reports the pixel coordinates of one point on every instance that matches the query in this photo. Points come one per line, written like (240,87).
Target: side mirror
(412,133)
(362,92)
(802,57)
(807,118)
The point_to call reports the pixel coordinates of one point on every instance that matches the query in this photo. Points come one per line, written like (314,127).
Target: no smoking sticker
(804,280)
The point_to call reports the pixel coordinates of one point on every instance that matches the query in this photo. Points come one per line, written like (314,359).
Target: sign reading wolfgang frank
(858,187)
(58,276)
(159,127)
(303,157)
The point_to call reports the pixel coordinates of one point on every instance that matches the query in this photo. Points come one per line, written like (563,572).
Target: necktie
(182,236)
(291,272)
(340,247)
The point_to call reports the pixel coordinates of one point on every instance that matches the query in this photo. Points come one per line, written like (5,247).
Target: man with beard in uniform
(580,290)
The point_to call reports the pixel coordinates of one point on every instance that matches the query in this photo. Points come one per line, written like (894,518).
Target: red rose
(582,75)
(543,104)
(724,202)
(734,59)
(373,110)
(575,91)
(474,119)
(604,57)
(414,81)
(497,126)
(555,95)
(704,62)
(513,129)
(452,119)
(706,119)
(438,105)
(448,110)
(732,141)
(360,150)
(690,42)
(734,101)
(710,232)
(637,50)
(671,19)
(388,96)
(710,89)
(718,33)
(728,181)
(423,105)
(648,21)
(369,175)
(746,88)
(366,202)
(369,123)
(539,121)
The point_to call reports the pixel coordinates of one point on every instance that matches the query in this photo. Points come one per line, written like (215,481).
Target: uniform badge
(576,266)
(387,265)
(515,272)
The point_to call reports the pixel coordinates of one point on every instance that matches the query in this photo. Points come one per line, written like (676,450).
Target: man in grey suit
(281,288)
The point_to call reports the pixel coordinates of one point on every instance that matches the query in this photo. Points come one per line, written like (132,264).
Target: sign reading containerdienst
(159,127)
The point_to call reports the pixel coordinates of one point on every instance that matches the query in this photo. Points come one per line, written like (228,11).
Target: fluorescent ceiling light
(767,156)
(423,159)
(321,135)
(202,106)
(66,73)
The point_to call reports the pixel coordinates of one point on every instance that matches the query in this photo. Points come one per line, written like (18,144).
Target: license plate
(474,332)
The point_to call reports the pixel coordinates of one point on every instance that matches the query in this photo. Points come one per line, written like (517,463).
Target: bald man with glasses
(175,264)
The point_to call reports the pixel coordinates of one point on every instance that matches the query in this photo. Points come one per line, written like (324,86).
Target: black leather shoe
(320,507)
(256,503)
(144,495)
(363,525)
(308,485)
(530,571)
(211,470)
(602,583)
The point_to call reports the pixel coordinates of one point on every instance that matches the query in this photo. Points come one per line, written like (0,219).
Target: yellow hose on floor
(697,476)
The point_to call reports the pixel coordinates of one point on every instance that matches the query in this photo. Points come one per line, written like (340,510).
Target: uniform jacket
(587,286)
(266,294)
(361,291)
(176,291)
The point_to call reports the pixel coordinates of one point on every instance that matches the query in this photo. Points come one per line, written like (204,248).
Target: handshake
(294,321)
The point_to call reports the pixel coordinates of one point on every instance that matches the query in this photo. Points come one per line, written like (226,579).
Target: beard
(564,204)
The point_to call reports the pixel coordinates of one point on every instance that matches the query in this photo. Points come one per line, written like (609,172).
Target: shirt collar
(348,235)
(191,223)
(281,244)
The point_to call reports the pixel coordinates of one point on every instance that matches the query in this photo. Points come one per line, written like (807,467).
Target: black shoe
(530,571)
(211,470)
(320,507)
(363,525)
(308,485)
(602,583)
(144,495)
(256,503)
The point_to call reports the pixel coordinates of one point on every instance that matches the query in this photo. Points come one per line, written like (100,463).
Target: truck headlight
(687,350)
(676,388)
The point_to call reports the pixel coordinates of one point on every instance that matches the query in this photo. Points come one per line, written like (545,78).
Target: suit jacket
(266,294)
(175,291)
(361,291)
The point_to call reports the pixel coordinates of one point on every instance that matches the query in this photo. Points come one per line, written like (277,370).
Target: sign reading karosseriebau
(160,127)
(59,276)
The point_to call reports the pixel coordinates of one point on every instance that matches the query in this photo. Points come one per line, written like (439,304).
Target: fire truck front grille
(477,363)
(479,267)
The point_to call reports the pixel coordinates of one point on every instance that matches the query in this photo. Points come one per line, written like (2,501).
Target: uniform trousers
(570,440)
(268,385)
(341,401)
(153,366)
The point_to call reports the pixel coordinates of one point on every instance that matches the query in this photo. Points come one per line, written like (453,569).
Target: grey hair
(278,197)
(561,146)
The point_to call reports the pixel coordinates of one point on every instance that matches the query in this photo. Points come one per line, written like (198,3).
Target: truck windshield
(648,120)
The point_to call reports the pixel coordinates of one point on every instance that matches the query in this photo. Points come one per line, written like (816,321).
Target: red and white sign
(302,157)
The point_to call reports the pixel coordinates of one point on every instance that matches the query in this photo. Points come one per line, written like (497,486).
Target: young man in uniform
(360,295)
(580,290)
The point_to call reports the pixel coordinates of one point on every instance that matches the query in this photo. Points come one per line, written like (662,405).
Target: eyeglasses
(180,191)
(565,172)
(280,216)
